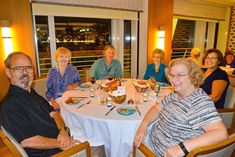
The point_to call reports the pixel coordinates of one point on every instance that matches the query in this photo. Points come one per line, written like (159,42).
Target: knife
(78,97)
(84,104)
(110,110)
(137,108)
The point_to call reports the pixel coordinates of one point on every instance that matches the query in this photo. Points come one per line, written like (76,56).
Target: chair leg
(134,151)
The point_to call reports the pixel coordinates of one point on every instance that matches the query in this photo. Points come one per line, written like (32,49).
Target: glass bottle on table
(157,89)
(152,82)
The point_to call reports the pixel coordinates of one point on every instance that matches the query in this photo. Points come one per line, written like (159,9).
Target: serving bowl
(118,99)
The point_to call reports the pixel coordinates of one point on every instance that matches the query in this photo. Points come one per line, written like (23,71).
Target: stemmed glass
(92,80)
(110,77)
(157,89)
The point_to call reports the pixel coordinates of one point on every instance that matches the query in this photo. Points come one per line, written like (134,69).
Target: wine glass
(110,77)
(92,80)
(157,89)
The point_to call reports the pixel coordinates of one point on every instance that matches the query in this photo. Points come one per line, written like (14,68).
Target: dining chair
(223,148)
(83,149)
(228,112)
(39,86)
(142,151)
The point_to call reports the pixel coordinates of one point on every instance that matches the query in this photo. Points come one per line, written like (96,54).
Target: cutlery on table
(78,97)
(110,110)
(137,108)
(84,104)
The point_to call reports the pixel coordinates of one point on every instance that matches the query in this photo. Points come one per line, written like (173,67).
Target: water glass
(101,97)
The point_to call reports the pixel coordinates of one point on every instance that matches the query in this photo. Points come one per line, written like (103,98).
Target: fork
(84,104)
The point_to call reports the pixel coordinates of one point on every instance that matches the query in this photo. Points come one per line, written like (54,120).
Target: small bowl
(118,99)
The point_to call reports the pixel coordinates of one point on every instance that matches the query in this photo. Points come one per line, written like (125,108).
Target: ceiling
(218,2)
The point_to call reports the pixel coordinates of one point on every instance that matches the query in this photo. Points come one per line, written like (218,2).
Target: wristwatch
(181,144)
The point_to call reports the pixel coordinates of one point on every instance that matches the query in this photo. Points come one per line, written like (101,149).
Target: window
(127,49)
(43,44)
(84,31)
(84,37)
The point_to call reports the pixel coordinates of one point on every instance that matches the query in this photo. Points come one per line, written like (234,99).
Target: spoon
(130,101)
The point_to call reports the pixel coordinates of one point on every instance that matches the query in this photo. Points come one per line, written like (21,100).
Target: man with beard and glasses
(28,116)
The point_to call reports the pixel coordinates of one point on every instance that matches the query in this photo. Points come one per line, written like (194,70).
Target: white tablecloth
(227,69)
(115,131)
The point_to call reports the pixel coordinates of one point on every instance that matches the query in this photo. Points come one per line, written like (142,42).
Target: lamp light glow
(7,38)
(161,38)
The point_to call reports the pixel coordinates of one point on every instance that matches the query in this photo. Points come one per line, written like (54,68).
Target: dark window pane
(127,49)
(43,44)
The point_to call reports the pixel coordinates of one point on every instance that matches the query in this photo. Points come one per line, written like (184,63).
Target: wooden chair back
(82,149)
(12,148)
(223,148)
(142,151)
(228,112)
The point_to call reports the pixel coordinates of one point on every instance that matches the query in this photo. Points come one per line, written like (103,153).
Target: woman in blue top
(61,77)
(216,81)
(157,69)
(107,66)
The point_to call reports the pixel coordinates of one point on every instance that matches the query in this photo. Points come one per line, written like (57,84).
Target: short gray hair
(7,62)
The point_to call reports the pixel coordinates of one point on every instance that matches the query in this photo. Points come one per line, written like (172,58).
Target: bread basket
(141,85)
(118,98)
(110,86)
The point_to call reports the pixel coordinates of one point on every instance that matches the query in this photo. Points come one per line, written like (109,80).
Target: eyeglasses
(211,58)
(28,69)
(178,76)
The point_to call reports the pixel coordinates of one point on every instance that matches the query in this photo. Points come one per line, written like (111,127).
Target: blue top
(100,69)
(160,75)
(56,84)
(218,74)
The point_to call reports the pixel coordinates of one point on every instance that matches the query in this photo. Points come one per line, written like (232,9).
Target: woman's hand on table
(140,134)
(175,151)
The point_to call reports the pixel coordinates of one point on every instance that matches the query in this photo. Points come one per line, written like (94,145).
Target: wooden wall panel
(18,13)
(160,13)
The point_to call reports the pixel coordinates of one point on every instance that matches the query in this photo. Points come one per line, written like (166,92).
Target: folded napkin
(77,134)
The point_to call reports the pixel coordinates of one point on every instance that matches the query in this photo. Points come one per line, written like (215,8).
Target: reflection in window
(85,37)
(183,39)
(43,44)
(127,48)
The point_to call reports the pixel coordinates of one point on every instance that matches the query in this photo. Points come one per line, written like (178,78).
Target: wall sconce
(7,38)
(161,38)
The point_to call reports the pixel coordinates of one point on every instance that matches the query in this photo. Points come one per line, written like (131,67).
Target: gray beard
(25,84)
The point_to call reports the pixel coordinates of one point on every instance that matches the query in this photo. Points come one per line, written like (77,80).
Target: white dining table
(115,131)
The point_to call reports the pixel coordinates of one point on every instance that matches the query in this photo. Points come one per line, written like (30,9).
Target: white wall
(117,4)
(143,38)
(223,32)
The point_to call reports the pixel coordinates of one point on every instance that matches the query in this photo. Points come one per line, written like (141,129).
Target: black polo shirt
(26,114)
